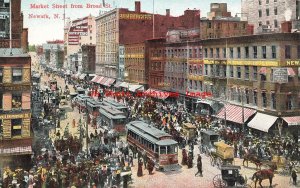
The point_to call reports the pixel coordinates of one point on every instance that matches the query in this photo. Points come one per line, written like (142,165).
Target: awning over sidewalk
(234,113)
(134,87)
(157,94)
(95,79)
(262,122)
(109,81)
(118,83)
(124,84)
(294,120)
(16,151)
(100,80)
(82,76)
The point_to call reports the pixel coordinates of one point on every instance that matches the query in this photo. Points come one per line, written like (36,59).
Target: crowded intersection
(79,144)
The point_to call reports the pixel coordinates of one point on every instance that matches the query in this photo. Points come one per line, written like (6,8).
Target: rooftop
(149,129)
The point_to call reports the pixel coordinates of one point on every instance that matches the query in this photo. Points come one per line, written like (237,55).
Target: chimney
(137,6)
(286,27)
(167,12)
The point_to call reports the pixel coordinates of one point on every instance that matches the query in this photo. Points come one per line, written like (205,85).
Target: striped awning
(118,84)
(235,113)
(100,79)
(102,82)
(124,84)
(133,87)
(16,150)
(95,78)
(109,81)
(291,72)
(294,120)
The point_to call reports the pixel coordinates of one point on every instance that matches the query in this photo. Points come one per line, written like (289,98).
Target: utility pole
(87,129)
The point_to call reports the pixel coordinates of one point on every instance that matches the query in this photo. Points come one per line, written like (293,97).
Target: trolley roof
(144,128)
(111,112)
(208,132)
(113,103)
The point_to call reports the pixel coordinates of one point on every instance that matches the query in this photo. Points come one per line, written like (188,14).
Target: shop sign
(15,116)
(292,63)
(14,88)
(280,75)
(255,63)
(135,17)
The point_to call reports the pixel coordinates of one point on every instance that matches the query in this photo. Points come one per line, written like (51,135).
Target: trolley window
(163,150)
(171,149)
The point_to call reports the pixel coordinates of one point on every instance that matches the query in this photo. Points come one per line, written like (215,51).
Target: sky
(42,30)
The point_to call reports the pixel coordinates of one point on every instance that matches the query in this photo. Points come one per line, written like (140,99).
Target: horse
(264,174)
(253,159)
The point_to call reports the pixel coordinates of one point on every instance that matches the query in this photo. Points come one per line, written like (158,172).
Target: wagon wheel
(219,182)
(219,162)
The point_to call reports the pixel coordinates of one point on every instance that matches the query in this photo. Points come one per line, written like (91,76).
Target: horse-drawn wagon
(207,141)
(223,154)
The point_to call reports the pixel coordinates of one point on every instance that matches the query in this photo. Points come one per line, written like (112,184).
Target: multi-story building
(19,34)
(244,68)
(135,62)
(267,15)
(121,27)
(218,10)
(88,58)
(77,33)
(54,54)
(15,94)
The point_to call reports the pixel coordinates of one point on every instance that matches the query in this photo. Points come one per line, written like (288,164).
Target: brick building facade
(88,58)
(122,26)
(19,34)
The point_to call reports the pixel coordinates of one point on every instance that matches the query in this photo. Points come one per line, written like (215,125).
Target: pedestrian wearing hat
(140,168)
(199,165)
(294,176)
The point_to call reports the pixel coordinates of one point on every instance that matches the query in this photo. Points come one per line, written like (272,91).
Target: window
(263,77)
(259,2)
(239,94)
(246,52)
(247,96)
(274,52)
(17,74)
(259,13)
(259,23)
(211,53)
(217,70)
(267,22)
(205,69)
(254,52)
(298,56)
(275,1)
(264,52)
(16,127)
(288,52)
(232,94)
(16,102)
(195,84)
(264,99)
(267,12)
(255,97)
(1,75)
(224,53)
(238,52)
(1,101)
(191,84)
(273,100)
(246,72)
(217,52)
(205,53)
(209,24)
(231,71)
(239,73)
(289,104)
(254,72)
(275,23)
(231,52)
(163,150)
(91,37)
(275,11)
(267,1)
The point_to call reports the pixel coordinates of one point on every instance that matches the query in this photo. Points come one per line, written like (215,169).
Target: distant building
(54,54)
(218,10)
(267,15)
(88,58)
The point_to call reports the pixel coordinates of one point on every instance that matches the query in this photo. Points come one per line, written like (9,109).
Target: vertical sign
(121,61)
(77,29)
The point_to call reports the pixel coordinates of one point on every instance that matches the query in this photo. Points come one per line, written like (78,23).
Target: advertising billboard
(77,29)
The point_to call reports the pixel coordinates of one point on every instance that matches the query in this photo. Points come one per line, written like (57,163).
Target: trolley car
(157,144)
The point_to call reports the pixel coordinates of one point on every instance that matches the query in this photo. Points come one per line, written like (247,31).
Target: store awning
(109,81)
(16,151)
(262,122)
(82,76)
(134,87)
(263,70)
(294,120)
(234,113)
(102,82)
(124,84)
(100,79)
(96,78)
(291,72)
(157,94)
(117,84)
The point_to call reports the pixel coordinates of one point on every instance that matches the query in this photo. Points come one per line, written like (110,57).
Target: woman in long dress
(140,168)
